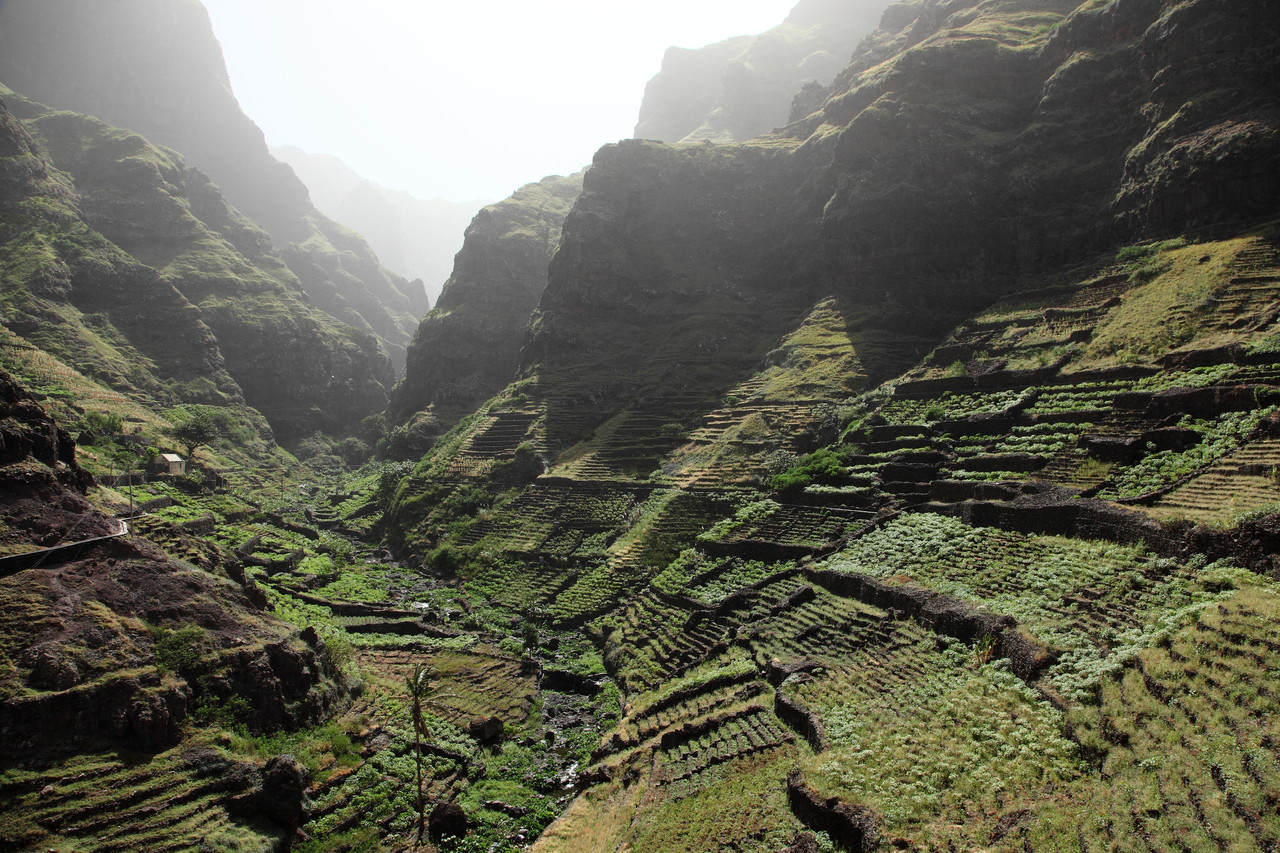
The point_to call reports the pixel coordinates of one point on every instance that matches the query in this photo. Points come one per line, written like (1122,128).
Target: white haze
(460,100)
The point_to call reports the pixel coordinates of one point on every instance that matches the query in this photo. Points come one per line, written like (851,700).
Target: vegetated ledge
(853,828)
(1047,509)
(945,615)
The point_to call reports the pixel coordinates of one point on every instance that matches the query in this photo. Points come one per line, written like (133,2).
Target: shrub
(354,451)
(821,466)
(177,650)
(103,423)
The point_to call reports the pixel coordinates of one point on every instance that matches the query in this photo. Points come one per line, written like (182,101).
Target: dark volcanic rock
(447,820)
(283,797)
(26,432)
(468,348)
(88,670)
(852,827)
(927,186)
(487,730)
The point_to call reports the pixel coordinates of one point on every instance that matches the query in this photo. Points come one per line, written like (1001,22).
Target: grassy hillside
(127,265)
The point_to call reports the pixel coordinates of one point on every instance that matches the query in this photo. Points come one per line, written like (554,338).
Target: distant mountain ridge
(415,238)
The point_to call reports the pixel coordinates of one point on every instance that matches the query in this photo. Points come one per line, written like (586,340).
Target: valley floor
(1021,597)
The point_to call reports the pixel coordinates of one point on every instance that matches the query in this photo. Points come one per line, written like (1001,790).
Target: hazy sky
(462,100)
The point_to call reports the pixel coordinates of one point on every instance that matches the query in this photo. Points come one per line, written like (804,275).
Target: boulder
(447,820)
(487,730)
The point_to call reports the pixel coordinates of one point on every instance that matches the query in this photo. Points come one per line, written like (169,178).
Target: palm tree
(419,686)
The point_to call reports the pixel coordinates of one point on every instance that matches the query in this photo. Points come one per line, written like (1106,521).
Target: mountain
(154,67)
(905,478)
(127,264)
(877,456)
(468,348)
(745,86)
(415,238)
(115,647)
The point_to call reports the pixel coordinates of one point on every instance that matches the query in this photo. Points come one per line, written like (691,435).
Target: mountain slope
(156,68)
(200,310)
(925,613)
(468,348)
(906,479)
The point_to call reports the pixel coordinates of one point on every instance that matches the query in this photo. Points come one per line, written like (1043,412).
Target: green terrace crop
(938,754)
(1097,603)
(1220,436)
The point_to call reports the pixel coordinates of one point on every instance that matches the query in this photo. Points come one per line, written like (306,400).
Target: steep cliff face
(415,238)
(1000,138)
(130,265)
(666,284)
(468,348)
(744,86)
(154,67)
(967,145)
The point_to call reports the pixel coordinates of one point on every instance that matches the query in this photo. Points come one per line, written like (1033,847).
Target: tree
(197,430)
(419,686)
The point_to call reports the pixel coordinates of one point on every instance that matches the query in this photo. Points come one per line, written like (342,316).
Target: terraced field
(1185,738)
(117,802)
(964,610)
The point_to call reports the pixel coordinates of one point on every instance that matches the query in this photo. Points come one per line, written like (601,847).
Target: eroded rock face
(283,797)
(26,432)
(88,622)
(468,348)
(946,165)
(667,280)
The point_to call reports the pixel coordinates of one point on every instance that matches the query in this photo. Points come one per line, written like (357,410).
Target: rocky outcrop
(447,820)
(145,713)
(93,627)
(745,86)
(154,67)
(665,286)
(26,432)
(468,348)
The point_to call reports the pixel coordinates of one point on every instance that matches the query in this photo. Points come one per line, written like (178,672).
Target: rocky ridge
(468,348)
(116,645)
(415,238)
(980,214)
